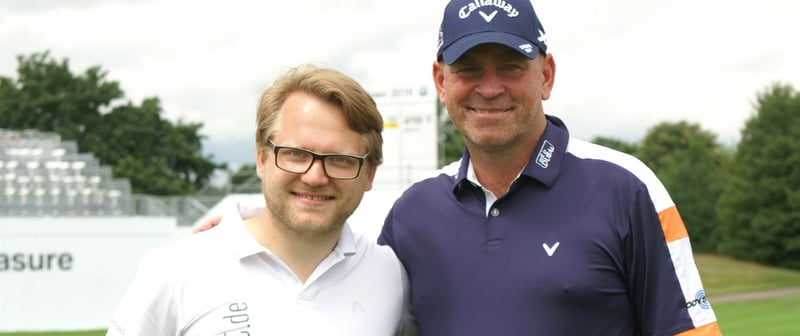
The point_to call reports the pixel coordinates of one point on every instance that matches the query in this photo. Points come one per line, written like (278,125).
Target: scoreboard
(410,133)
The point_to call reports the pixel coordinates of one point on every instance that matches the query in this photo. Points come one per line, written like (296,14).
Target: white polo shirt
(222,282)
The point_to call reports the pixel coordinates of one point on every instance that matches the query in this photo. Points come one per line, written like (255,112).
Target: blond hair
(332,86)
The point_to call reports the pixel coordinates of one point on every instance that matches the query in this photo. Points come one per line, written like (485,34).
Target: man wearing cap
(536,232)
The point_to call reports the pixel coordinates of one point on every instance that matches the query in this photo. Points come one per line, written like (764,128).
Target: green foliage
(157,156)
(150,173)
(245,174)
(451,143)
(761,203)
(725,275)
(48,97)
(691,165)
(245,180)
(622,146)
(663,141)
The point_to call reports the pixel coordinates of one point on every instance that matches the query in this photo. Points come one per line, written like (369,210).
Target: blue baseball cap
(468,23)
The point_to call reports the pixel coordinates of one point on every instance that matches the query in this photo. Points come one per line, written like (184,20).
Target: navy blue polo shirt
(576,247)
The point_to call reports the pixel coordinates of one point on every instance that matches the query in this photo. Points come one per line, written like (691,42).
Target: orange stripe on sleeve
(711,329)
(672,224)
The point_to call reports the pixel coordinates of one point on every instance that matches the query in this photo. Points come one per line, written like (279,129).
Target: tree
(691,165)
(451,142)
(46,96)
(761,203)
(157,156)
(622,146)
(246,174)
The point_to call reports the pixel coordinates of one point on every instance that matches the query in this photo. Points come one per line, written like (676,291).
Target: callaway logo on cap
(512,23)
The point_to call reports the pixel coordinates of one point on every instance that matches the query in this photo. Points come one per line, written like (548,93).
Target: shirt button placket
(494,236)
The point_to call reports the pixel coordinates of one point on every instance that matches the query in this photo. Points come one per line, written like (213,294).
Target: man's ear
(370,171)
(260,157)
(438,79)
(548,75)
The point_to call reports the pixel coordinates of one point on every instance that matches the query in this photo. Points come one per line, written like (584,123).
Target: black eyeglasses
(299,161)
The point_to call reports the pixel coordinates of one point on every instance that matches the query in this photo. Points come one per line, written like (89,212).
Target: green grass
(767,317)
(724,275)
(762,317)
(721,275)
(71,333)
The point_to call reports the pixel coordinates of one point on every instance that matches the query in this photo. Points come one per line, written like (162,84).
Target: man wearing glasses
(294,267)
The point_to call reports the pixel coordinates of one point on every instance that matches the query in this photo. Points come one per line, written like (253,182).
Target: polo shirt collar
(347,242)
(544,163)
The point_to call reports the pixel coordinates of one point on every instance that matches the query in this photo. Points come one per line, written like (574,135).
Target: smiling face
(494,95)
(312,204)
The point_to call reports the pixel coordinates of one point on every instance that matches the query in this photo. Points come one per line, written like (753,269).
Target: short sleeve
(148,306)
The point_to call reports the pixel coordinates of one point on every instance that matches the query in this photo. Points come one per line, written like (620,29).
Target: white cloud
(622,65)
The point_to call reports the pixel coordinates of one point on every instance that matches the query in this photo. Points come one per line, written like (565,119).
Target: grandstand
(42,175)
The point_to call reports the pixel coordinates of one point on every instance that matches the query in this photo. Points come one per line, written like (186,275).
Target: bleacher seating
(42,175)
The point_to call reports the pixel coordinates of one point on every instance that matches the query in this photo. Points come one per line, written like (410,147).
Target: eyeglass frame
(315,157)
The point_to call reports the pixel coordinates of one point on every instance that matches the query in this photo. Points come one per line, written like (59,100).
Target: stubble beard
(492,142)
(311,224)
(498,140)
(473,132)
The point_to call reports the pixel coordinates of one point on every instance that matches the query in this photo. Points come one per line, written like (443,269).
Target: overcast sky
(622,65)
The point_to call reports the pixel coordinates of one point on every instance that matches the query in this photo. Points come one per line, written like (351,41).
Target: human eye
(342,161)
(510,68)
(465,68)
(294,154)
(468,71)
